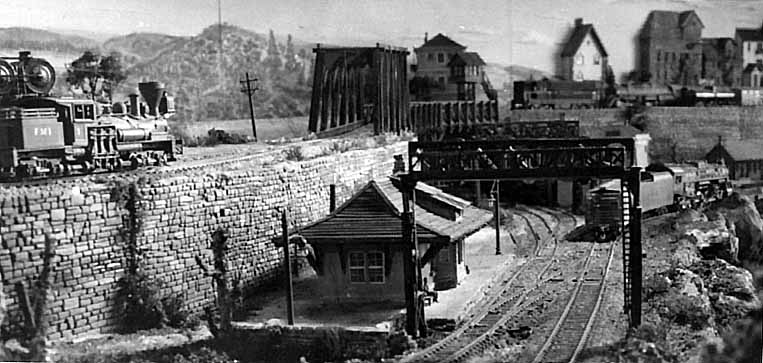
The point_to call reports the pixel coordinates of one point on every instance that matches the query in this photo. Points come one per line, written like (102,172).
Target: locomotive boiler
(42,136)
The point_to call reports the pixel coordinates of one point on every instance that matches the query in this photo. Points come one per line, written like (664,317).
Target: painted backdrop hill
(204,88)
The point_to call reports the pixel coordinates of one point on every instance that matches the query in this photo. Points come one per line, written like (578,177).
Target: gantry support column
(415,323)
(635,252)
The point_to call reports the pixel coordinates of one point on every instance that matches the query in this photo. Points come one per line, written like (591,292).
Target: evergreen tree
(291,60)
(273,59)
(301,79)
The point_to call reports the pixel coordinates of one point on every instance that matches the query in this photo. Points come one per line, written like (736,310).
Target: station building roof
(373,215)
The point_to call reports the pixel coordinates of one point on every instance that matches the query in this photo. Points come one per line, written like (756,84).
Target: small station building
(358,248)
(744,158)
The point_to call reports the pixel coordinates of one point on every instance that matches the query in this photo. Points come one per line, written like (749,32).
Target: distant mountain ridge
(37,39)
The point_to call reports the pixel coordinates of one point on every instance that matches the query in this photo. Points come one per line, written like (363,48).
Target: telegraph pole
(249,89)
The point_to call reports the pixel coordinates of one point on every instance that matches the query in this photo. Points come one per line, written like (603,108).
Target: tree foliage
(95,74)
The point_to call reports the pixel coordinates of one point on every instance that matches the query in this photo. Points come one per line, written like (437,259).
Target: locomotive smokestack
(152,93)
(134,105)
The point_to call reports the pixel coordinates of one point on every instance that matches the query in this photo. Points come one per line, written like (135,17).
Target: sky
(525,32)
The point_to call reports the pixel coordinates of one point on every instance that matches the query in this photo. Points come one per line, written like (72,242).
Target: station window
(357,267)
(366,267)
(375,267)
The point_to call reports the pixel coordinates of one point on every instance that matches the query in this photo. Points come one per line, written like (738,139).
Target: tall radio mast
(220,52)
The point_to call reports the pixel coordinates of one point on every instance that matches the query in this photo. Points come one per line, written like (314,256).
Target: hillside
(189,67)
(205,91)
(138,47)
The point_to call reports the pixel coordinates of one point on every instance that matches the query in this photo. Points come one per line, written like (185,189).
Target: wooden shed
(359,249)
(744,158)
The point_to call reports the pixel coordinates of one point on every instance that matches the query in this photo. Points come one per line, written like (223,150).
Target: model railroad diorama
(43,136)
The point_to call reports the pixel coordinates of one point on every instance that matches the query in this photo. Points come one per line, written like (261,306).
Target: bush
(175,312)
(294,153)
(138,305)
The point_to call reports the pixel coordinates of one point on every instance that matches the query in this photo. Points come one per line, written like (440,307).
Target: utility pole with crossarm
(249,86)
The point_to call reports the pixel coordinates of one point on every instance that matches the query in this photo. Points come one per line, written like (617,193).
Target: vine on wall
(138,297)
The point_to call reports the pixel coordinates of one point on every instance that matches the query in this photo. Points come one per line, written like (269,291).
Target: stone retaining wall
(316,343)
(179,213)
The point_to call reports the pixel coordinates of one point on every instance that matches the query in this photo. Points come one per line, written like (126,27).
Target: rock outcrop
(740,211)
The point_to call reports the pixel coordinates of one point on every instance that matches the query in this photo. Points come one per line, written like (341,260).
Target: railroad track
(174,167)
(485,326)
(570,333)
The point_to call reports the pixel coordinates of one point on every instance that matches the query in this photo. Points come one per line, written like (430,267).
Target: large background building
(584,57)
(671,48)
(719,64)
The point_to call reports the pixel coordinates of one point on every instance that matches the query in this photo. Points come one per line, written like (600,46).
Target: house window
(440,58)
(366,267)
(441,80)
(579,59)
(430,56)
(596,59)
(579,76)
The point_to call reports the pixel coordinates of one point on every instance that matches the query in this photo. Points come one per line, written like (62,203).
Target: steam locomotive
(43,136)
(558,94)
(663,188)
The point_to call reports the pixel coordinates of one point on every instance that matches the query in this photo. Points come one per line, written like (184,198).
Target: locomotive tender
(560,94)
(42,135)
(663,188)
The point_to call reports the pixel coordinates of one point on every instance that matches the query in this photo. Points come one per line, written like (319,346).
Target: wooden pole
(250,93)
(635,247)
(332,198)
(287,258)
(497,211)
(409,262)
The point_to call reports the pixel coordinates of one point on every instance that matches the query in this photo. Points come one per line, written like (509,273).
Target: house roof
(753,66)
(373,214)
(467,58)
(441,40)
(670,18)
(741,150)
(577,37)
(750,34)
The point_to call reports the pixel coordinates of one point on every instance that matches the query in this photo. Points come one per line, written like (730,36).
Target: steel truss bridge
(510,159)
